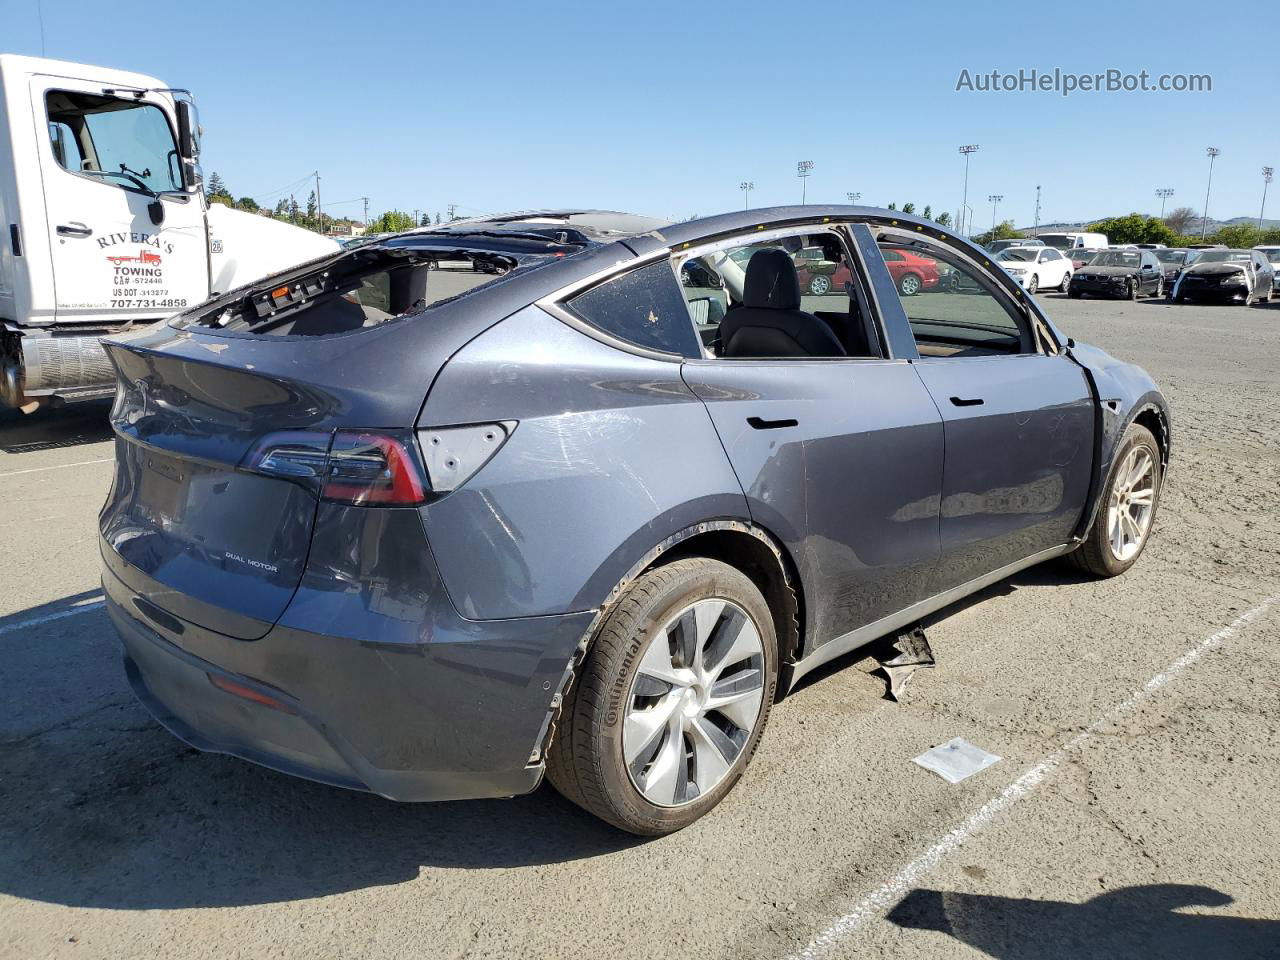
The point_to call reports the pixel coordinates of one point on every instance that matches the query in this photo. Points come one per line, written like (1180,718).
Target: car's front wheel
(1033,284)
(909,285)
(671,701)
(819,284)
(1123,525)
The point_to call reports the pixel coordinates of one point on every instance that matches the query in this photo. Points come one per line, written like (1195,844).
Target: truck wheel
(671,701)
(1123,525)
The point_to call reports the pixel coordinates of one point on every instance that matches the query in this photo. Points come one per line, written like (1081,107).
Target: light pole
(967,149)
(1036,230)
(995,199)
(1266,179)
(803,169)
(1164,193)
(853,197)
(746,186)
(1211,152)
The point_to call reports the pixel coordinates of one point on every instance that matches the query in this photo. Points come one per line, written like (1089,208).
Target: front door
(104,160)
(1018,421)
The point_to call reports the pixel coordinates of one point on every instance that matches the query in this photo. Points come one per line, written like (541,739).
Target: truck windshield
(125,142)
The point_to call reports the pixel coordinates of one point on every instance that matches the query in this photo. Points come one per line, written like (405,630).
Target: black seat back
(770,322)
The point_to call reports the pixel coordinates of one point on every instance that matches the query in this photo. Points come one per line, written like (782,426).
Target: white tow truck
(104,225)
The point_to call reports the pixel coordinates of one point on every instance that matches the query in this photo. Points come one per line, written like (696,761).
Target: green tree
(214,187)
(1238,235)
(1003,231)
(425,221)
(944,219)
(893,206)
(247,203)
(1135,228)
(392,221)
(928,212)
(908,208)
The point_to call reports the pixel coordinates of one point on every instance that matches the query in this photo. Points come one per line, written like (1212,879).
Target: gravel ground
(1129,816)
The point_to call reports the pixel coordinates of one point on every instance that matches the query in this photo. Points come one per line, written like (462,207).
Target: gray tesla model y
(584,494)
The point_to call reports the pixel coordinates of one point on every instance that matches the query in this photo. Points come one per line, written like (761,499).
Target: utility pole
(803,169)
(967,149)
(995,199)
(1266,179)
(1211,152)
(366,210)
(453,208)
(853,197)
(1036,230)
(746,186)
(319,209)
(415,216)
(1164,193)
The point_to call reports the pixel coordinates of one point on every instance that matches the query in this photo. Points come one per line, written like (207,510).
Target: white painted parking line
(88,607)
(892,890)
(56,466)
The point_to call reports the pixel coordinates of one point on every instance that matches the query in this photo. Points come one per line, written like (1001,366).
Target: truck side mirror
(189,145)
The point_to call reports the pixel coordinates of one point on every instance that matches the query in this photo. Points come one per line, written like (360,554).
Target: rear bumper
(454,716)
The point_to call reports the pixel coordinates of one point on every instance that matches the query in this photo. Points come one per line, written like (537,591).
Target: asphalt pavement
(1132,813)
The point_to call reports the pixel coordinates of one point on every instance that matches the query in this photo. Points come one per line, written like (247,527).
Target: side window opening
(953,310)
(793,296)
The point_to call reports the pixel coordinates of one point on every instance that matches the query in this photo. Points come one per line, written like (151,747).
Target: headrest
(771,281)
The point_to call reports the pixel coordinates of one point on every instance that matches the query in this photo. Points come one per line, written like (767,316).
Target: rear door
(1018,421)
(102,157)
(840,457)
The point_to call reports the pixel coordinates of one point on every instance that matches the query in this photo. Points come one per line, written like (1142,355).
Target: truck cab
(104,225)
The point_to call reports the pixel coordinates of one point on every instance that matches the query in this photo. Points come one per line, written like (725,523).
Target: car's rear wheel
(671,701)
(909,285)
(819,284)
(1033,284)
(1159,288)
(1123,525)
(1066,282)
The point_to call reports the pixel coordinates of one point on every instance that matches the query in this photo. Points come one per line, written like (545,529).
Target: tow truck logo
(145,258)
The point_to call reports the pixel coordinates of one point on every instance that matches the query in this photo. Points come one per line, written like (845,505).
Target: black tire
(1179,298)
(1135,290)
(1095,555)
(1074,294)
(909,285)
(1066,282)
(819,285)
(1159,294)
(1033,284)
(585,762)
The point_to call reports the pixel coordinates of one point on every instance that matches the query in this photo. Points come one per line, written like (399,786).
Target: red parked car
(911,272)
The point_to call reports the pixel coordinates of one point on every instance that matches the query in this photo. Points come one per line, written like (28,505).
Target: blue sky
(664,108)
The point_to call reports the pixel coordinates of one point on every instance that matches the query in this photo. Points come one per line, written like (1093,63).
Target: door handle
(760,424)
(73,230)
(971,402)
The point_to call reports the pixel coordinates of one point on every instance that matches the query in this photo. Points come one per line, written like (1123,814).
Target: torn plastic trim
(546,735)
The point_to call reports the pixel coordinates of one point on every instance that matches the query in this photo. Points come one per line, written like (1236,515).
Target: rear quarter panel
(612,454)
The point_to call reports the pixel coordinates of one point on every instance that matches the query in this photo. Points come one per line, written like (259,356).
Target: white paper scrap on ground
(956,760)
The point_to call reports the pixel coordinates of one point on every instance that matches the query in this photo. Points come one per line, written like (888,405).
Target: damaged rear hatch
(233,420)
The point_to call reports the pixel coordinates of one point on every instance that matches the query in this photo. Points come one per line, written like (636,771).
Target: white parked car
(1036,267)
(1273,256)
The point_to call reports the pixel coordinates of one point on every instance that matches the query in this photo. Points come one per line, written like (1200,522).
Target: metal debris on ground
(956,760)
(911,652)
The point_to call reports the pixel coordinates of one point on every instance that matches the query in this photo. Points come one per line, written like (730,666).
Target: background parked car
(1036,267)
(1273,257)
(1226,276)
(997,245)
(1120,273)
(1172,261)
(911,272)
(1081,257)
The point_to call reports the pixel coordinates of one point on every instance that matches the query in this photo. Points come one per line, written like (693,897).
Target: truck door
(106,158)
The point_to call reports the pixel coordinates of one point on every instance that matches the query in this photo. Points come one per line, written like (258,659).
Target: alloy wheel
(694,701)
(1033,284)
(1132,503)
(910,285)
(819,285)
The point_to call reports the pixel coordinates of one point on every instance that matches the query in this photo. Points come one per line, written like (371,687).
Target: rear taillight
(361,467)
(373,468)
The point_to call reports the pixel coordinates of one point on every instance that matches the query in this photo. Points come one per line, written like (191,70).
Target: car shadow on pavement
(1141,921)
(104,808)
